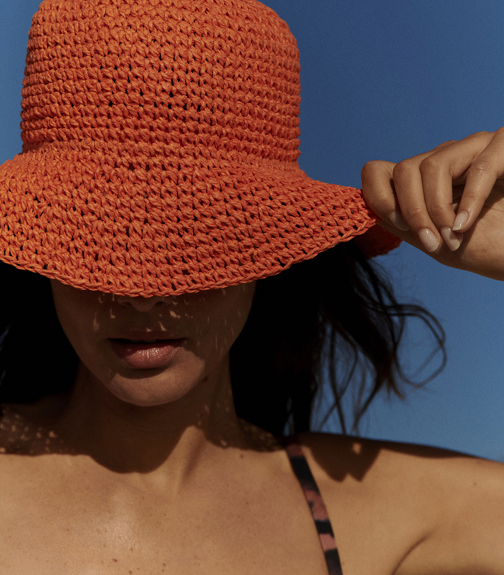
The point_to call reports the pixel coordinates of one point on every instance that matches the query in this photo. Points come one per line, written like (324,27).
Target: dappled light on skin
(187,402)
(23,434)
(20,436)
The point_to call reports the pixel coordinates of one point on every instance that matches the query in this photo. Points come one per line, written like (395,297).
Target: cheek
(72,307)
(78,316)
(219,318)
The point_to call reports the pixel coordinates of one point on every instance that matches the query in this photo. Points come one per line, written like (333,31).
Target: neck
(168,439)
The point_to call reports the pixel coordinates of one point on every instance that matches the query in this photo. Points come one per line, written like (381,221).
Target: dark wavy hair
(334,314)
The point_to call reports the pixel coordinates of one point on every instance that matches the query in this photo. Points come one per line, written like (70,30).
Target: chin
(150,391)
(147,393)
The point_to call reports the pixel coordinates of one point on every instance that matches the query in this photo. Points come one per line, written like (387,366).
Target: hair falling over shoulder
(329,323)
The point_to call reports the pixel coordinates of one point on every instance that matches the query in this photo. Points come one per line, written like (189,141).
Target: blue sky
(385,80)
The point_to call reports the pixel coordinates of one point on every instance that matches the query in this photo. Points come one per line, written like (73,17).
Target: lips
(145,349)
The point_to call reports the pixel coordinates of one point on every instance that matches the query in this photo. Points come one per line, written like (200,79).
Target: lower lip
(146,355)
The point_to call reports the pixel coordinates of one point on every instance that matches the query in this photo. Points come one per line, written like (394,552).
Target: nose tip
(142,304)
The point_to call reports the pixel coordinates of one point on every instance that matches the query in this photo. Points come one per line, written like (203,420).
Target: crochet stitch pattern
(160,151)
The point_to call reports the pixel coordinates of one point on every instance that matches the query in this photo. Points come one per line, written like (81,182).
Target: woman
(157,188)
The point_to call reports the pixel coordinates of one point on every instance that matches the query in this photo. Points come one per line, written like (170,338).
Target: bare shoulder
(438,510)
(28,473)
(339,457)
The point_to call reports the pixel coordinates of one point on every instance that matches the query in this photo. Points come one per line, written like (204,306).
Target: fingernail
(452,239)
(397,220)
(460,221)
(428,239)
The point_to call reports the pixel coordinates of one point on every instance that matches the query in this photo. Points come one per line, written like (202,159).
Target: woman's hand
(448,202)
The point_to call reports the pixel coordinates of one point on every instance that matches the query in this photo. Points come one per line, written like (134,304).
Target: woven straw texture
(160,151)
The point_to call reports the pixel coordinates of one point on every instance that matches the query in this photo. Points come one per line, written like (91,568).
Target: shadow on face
(207,322)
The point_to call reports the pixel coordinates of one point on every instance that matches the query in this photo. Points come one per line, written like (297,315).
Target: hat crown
(206,78)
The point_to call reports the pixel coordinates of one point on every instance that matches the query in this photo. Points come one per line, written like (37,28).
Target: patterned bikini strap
(316,503)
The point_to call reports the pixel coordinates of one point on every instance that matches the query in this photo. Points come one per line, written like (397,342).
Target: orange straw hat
(160,151)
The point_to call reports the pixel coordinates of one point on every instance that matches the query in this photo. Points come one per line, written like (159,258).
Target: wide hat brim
(77,214)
